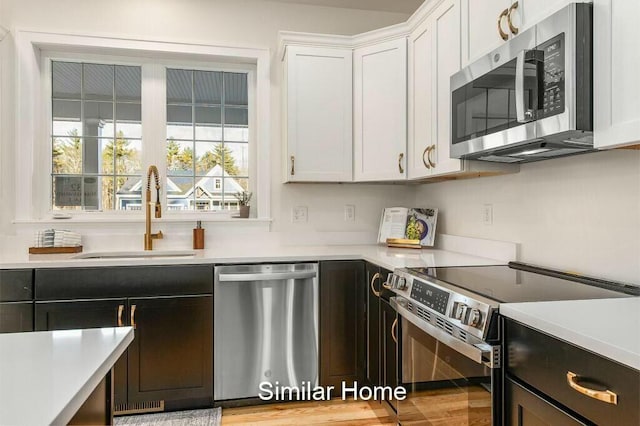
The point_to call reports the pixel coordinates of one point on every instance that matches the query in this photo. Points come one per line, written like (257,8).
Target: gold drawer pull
(431,162)
(504,36)
(425,153)
(293,165)
(400,157)
(120,310)
(373,288)
(604,396)
(394,330)
(514,30)
(133,316)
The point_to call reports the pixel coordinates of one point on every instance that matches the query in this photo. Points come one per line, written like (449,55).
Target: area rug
(207,417)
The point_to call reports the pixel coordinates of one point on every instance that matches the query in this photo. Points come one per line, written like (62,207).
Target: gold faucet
(148,236)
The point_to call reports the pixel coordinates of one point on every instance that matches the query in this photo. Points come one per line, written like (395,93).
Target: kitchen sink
(142,254)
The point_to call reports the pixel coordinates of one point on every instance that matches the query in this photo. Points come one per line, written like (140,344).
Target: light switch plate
(299,214)
(487,214)
(349,213)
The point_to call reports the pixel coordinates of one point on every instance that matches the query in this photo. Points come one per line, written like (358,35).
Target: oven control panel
(430,296)
(453,305)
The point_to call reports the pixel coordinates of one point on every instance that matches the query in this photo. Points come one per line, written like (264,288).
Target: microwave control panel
(553,95)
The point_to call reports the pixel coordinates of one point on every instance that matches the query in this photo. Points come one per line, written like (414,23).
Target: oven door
(443,385)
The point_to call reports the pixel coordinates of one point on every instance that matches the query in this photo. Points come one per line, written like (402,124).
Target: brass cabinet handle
(293,165)
(394,330)
(120,310)
(604,396)
(431,162)
(400,157)
(133,316)
(514,30)
(373,288)
(504,36)
(425,153)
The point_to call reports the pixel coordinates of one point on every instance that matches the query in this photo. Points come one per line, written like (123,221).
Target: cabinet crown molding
(392,32)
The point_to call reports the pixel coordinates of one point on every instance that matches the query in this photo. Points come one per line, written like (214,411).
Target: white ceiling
(399,6)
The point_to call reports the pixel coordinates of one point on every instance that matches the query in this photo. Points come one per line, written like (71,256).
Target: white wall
(578,213)
(253,23)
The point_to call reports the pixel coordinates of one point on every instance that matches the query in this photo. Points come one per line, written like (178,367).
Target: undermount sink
(143,254)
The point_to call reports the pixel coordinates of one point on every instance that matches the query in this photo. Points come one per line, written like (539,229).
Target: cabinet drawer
(94,283)
(16,285)
(543,362)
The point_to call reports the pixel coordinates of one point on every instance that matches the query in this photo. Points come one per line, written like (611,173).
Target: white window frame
(33,123)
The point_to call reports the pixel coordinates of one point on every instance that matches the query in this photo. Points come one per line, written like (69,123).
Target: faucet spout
(148,236)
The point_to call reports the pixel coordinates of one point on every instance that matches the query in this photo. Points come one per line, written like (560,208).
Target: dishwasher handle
(268,276)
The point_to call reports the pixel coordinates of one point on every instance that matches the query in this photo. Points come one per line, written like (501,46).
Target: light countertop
(608,327)
(45,377)
(383,256)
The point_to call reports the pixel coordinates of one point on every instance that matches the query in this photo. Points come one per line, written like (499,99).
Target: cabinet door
(524,408)
(480,27)
(342,322)
(446,61)
(420,100)
(88,314)
(374,284)
(16,317)
(389,326)
(530,12)
(615,73)
(171,357)
(380,111)
(319,98)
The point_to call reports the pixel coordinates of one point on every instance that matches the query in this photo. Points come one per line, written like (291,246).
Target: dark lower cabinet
(88,314)
(171,307)
(342,323)
(16,300)
(565,379)
(374,285)
(16,317)
(171,356)
(525,408)
(389,347)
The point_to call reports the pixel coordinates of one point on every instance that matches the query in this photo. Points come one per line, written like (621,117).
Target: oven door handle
(482,353)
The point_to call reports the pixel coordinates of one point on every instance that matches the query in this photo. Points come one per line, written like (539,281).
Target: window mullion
(154,121)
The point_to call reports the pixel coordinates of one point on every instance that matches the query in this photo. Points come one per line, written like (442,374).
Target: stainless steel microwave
(532,98)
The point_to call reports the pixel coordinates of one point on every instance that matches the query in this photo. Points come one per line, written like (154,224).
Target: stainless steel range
(449,337)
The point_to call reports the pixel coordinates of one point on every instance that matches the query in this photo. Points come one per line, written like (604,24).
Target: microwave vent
(498,159)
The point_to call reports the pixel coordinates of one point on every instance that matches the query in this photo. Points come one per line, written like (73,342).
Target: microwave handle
(523,115)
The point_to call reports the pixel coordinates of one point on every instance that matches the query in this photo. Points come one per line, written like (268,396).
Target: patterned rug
(207,417)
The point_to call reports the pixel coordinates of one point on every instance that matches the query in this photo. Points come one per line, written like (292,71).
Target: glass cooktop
(512,283)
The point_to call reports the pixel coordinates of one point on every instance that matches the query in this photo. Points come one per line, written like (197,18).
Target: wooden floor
(334,412)
(442,407)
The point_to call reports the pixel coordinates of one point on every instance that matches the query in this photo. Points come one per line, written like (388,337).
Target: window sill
(114,219)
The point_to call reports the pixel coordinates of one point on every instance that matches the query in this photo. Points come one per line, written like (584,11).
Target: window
(207,138)
(96,143)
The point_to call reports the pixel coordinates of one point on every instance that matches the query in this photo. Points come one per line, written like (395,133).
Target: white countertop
(381,255)
(45,377)
(608,327)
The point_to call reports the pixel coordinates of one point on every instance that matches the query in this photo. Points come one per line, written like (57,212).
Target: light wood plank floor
(334,412)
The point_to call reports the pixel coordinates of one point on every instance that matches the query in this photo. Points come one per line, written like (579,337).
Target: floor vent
(139,408)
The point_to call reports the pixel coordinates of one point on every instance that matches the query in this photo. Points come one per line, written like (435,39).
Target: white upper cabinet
(420,100)
(318,114)
(434,55)
(380,111)
(615,73)
(488,23)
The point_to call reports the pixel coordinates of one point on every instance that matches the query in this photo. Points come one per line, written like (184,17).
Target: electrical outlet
(349,213)
(299,214)
(487,214)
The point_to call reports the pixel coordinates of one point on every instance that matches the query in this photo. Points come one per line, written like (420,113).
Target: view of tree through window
(207,139)
(96,135)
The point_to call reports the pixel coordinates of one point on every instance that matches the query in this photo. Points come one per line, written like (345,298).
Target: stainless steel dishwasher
(265,327)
